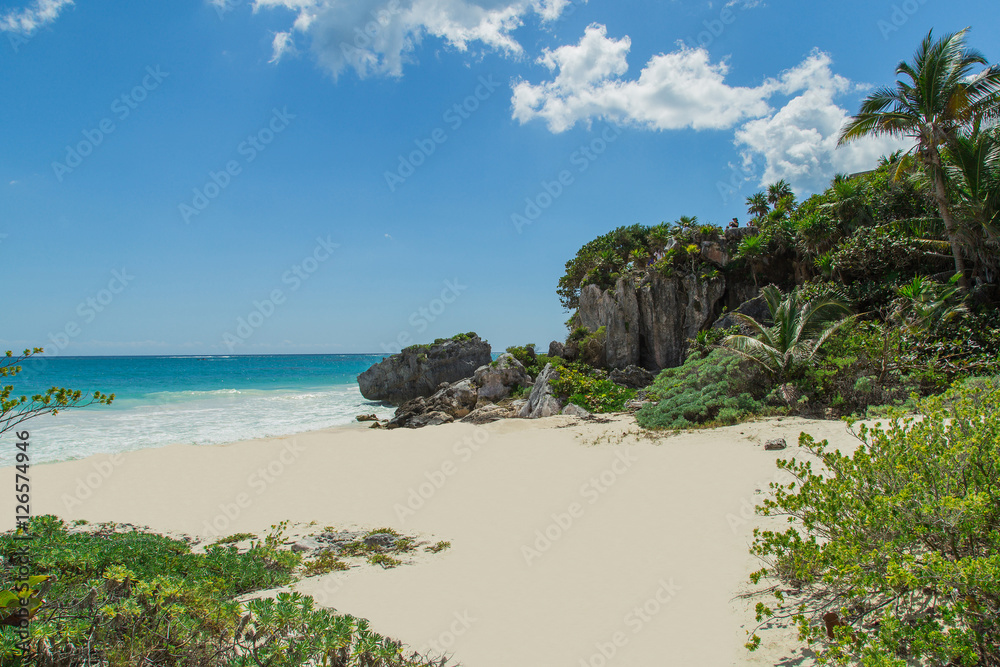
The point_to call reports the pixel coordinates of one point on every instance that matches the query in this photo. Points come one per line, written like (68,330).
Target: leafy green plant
(893,549)
(798,332)
(591,391)
(15,410)
(134,598)
(325,562)
(711,389)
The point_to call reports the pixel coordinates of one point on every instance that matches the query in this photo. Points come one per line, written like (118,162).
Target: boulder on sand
(419,370)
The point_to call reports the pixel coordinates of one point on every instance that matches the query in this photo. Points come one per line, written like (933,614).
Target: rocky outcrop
(755,308)
(497,379)
(419,370)
(543,401)
(574,410)
(490,412)
(451,402)
(648,324)
(633,377)
(617,311)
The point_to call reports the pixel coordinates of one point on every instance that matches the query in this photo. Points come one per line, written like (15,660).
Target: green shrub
(712,389)
(588,389)
(899,540)
(131,598)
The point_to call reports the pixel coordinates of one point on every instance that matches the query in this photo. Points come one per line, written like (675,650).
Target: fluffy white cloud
(37,15)
(685,89)
(380,36)
(798,142)
(681,89)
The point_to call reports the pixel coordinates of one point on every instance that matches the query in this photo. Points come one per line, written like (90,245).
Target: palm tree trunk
(941,196)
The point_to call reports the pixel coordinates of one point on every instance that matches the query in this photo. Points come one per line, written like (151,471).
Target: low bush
(591,390)
(891,553)
(716,388)
(118,599)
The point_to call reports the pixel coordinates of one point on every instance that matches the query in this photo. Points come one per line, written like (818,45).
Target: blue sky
(315,176)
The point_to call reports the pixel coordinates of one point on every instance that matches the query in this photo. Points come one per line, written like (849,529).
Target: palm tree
(751,250)
(973,172)
(849,205)
(925,305)
(934,98)
(798,331)
(757,205)
(778,191)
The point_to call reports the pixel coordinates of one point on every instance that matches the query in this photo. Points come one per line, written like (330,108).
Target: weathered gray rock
(633,377)
(306,544)
(635,404)
(755,308)
(498,378)
(775,444)
(490,412)
(451,402)
(419,370)
(617,311)
(557,349)
(649,324)
(574,410)
(543,401)
(674,309)
(381,540)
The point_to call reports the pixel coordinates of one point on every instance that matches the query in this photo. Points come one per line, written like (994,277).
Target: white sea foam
(192,417)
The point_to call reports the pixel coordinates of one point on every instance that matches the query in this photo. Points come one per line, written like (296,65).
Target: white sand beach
(573,543)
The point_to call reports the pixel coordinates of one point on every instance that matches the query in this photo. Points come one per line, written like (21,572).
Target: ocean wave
(211,417)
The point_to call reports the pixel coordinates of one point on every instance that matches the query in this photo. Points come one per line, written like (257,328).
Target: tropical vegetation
(890,556)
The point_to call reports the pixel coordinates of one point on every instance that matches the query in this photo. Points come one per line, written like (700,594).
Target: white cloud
(684,89)
(799,141)
(380,36)
(37,15)
(681,89)
(281,44)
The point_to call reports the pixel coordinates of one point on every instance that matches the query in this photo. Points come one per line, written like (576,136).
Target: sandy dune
(573,543)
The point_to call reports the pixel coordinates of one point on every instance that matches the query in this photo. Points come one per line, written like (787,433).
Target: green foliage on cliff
(893,550)
(602,261)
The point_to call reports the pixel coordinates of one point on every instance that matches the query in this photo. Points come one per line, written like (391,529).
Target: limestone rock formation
(419,370)
(543,401)
(633,377)
(496,379)
(451,402)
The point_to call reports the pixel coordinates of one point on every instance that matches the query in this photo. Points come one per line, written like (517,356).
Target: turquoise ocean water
(192,400)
